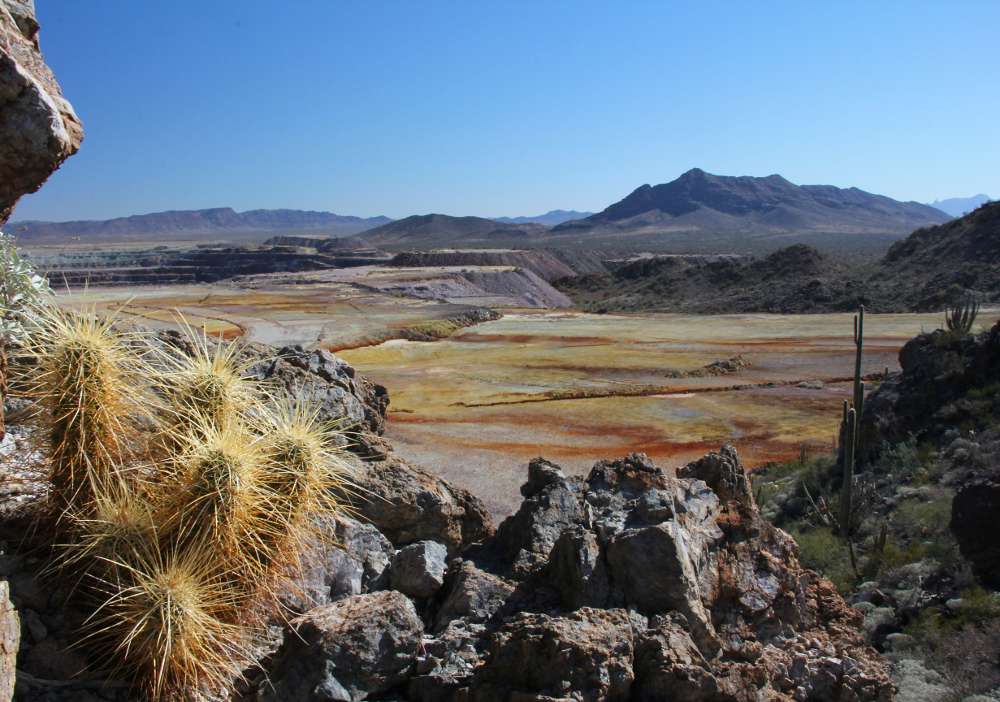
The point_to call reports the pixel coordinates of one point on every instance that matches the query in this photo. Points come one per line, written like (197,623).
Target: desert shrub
(823,551)
(962,644)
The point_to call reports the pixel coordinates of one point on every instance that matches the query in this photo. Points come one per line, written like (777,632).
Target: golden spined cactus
(88,380)
(207,384)
(170,621)
(305,474)
(120,521)
(215,498)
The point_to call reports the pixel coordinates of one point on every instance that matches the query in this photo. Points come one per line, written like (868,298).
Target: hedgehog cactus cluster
(180,488)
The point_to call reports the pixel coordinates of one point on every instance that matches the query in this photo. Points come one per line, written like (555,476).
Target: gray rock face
(38,127)
(551,504)
(347,651)
(585,655)
(10,638)
(408,504)
(328,383)
(472,595)
(346,558)
(418,570)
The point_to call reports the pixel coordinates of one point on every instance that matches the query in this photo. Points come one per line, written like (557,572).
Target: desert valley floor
(572,387)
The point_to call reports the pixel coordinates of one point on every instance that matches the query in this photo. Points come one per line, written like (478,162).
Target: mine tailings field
(576,387)
(477,405)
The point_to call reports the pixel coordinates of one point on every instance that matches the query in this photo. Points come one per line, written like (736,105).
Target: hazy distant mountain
(709,205)
(439,230)
(958,206)
(549,219)
(215,222)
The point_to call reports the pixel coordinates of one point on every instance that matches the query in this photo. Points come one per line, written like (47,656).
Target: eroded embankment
(430,330)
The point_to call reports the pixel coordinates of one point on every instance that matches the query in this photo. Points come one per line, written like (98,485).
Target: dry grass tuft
(170,621)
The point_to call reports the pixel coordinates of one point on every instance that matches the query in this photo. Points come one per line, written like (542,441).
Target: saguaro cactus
(960,317)
(850,429)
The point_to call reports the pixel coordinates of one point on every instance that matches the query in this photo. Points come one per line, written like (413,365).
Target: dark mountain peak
(694,174)
(702,201)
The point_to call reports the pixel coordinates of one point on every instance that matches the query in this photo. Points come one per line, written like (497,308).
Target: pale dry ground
(278,310)
(572,387)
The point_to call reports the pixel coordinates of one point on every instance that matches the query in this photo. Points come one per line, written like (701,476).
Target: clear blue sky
(495,108)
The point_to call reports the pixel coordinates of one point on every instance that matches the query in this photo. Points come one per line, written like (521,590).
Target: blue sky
(494,108)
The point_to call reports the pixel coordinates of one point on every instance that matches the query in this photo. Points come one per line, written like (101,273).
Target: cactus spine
(850,427)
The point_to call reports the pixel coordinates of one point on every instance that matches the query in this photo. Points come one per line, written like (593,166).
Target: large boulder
(326,382)
(344,557)
(347,651)
(974,513)
(418,570)
(409,504)
(38,127)
(586,655)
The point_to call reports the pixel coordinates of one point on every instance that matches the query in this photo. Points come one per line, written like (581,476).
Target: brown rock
(586,655)
(10,637)
(360,646)
(38,127)
(409,504)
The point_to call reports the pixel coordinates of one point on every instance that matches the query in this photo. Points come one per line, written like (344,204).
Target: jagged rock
(586,655)
(38,127)
(408,504)
(472,595)
(326,382)
(973,521)
(346,651)
(724,474)
(670,666)
(418,570)
(345,558)
(578,571)
(551,504)
(10,637)
(447,662)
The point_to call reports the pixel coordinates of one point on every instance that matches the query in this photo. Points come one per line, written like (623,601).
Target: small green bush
(821,550)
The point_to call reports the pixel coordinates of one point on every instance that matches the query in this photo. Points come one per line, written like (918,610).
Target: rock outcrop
(38,127)
(633,584)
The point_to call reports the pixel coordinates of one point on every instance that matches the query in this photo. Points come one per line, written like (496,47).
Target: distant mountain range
(184,224)
(958,206)
(702,202)
(696,213)
(549,219)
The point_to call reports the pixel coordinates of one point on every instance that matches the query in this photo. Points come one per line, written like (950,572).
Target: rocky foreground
(635,583)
